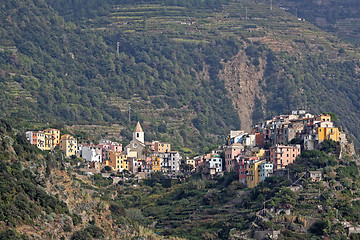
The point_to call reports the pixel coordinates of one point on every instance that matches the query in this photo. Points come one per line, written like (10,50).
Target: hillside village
(138,157)
(266,151)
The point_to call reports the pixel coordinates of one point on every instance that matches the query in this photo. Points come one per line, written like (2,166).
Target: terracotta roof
(67,136)
(138,128)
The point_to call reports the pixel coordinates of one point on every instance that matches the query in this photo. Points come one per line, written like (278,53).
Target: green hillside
(44,196)
(54,71)
(168,65)
(341,18)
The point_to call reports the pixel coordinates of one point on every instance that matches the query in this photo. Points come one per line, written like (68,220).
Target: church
(136,147)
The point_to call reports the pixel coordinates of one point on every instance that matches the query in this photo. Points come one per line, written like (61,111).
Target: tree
(333,116)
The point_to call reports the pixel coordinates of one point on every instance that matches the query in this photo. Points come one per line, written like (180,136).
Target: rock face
(242,81)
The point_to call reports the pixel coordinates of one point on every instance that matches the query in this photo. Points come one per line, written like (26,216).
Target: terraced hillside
(193,69)
(338,17)
(256,86)
(244,19)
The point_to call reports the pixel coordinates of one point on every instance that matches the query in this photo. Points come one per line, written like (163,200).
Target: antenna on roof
(270,5)
(129,114)
(117,47)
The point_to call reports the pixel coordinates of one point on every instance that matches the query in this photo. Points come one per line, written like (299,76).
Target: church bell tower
(138,133)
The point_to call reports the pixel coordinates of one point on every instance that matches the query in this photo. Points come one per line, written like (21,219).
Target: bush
(100,181)
(76,219)
(12,234)
(88,233)
(320,227)
(117,210)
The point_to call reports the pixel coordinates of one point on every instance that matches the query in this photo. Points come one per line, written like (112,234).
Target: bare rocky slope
(242,81)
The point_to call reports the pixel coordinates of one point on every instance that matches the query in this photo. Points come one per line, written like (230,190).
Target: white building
(134,165)
(250,140)
(310,141)
(174,161)
(170,161)
(91,153)
(266,170)
(215,162)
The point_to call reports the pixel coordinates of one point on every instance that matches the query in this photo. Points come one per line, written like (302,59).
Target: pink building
(259,139)
(199,164)
(231,152)
(107,145)
(146,166)
(282,155)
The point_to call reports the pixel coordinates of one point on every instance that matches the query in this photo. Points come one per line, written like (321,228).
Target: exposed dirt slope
(242,82)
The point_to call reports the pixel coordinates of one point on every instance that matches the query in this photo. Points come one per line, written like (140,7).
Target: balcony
(250,173)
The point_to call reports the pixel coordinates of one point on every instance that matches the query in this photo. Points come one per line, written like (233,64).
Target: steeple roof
(138,128)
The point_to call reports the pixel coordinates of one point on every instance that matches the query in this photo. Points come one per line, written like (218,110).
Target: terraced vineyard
(244,19)
(341,18)
(170,66)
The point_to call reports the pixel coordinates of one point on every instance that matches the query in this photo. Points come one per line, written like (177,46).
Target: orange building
(328,133)
(118,161)
(161,147)
(155,161)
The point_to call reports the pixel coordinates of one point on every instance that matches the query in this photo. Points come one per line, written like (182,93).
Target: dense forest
(57,72)
(80,62)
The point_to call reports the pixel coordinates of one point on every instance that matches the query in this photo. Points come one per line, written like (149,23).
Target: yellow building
(328,133)
(55,136)
(260,153)
(68,144)
(253,173)
(323,118)
(40,140)
(118,161)
(155,160)
(48,142)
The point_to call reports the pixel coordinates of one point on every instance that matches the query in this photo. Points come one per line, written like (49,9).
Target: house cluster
(50,138)
(311,130)
(267,149)
(137,157)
